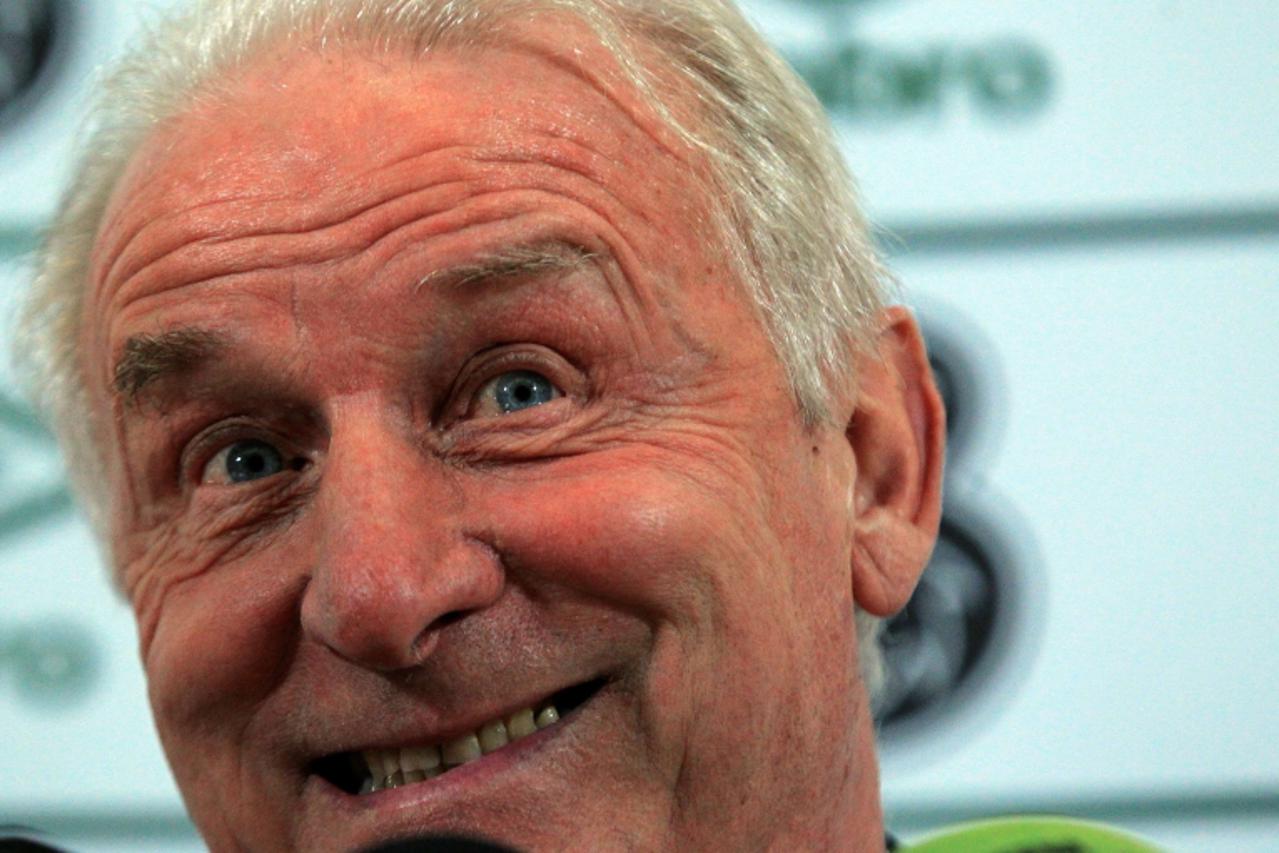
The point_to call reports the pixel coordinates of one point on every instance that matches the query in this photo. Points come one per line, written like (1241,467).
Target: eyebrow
(148,358)
(511,262)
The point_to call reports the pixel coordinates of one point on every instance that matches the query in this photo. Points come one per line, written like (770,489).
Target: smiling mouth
(374,769)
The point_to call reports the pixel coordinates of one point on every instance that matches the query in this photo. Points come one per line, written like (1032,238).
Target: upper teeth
(391,768)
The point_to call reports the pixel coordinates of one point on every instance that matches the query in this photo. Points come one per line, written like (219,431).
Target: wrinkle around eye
(492,440)
(192,544)
(245,512)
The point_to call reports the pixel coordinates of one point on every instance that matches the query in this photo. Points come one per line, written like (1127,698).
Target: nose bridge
(392,563)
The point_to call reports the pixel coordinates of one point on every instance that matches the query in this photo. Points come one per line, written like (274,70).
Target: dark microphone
(440,843)
(10,844)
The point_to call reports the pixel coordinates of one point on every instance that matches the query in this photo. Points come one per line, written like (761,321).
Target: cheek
(222,644)
(691,557)
(623,532)
(649,546)
(219,644)
(750,614)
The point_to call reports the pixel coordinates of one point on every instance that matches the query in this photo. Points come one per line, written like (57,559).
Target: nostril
(424,645)
(448,619)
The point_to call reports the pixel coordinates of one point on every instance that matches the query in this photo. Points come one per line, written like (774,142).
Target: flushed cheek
(697,569)
(630,535)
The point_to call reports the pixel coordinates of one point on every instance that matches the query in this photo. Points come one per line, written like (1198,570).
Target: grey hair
(790,217)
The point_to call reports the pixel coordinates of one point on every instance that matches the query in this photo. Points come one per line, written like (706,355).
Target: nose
(393,567)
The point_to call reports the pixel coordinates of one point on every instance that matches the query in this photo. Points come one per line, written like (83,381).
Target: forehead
(302,137)
(302,114)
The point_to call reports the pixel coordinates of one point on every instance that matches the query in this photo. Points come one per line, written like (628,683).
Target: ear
(897,432)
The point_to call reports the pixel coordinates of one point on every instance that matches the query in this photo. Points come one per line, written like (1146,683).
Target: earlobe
(897,434)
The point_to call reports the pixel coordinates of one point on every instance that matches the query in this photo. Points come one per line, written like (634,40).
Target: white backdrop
(1082,197)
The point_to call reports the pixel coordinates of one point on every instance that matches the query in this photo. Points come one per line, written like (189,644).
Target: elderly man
(495,423)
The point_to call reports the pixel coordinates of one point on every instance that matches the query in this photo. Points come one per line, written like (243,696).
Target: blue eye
(522,389)
(249,460)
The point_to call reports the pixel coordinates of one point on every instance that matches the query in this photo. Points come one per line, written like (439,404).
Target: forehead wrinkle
(516,38)
(560,157)
(335,206)
(639,111)
(609,187)
(124,247)
(366,221)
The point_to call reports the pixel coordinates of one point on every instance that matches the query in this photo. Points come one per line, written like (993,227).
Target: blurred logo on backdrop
(31,32)
(49,662)
(32,488)
(1002,76)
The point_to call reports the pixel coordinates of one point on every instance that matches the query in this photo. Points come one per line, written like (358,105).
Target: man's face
(435,401)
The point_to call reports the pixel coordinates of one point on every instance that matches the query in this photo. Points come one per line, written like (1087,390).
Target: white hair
(789,215)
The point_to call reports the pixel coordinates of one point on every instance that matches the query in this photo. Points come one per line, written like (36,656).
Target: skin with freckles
(339,530)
